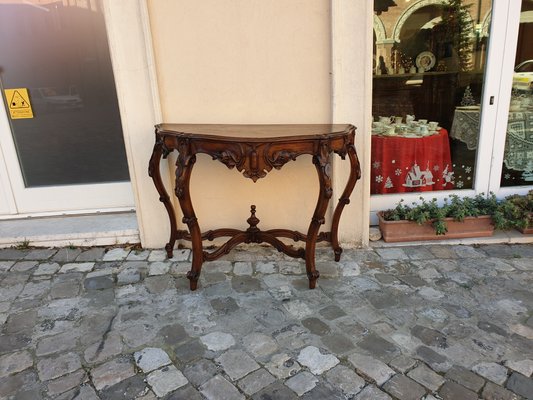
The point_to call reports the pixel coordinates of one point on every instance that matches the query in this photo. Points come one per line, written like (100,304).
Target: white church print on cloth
(417,178)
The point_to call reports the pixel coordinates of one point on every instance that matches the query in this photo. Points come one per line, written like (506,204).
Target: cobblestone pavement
(434,322)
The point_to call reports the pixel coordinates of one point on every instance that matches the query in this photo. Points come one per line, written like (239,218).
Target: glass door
(60,129)
(435,86)
(512,169)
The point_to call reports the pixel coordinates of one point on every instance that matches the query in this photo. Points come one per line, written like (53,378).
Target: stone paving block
(522,330)
(256,381)
(245,284)
(166,380)
(77,267)
(402,363)
(371,368)
(346,380)
(259,344)
(403,388)
(131,388)
(283,366)
(200,371)
(159,284)
(493,372)
(525,367)
(436,361)
(64,290)
(54,367)
(378,347)
(316,326)
(117,254)
(23,266)
(302,382)
(332,312)
(173,335)
(426,377)
(46,269)
(372,393)
(298,309)
(158,268)
(57,343)
(392,253)
(281,293)
(112,372)
(6,265)
(468,252)
(236,363)
(276,391)
(290,268)
(181,255)
(15,362)
(520,385)
(92,254)
(21,321)
(262,267)
(337,343)
(151,358)
(185,392)
(242,268)
(189,351)
(65,383)
(14,342)
(65,255)
(217,341)
(218,388)
(98,352)
(98,283)
(453,391)
(138,255)
(465,377)
(349,268)
(492,391)
(429,336)
(318,363)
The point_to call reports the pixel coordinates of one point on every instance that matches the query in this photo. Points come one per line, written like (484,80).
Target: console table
(253,150)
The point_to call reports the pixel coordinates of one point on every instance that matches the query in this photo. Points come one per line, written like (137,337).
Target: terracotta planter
(527,231)
(408,231)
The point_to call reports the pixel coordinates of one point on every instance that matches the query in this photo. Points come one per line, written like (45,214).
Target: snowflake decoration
(376,164)
(436,168)
(468,170)
(398,172)
(459,184)
(379,179)
(507,176)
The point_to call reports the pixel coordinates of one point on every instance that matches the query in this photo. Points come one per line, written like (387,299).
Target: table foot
(170,250)
(193,280)
(313,276)
(338,252)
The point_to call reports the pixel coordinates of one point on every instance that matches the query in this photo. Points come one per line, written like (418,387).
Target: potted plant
(515,211)
(456,218)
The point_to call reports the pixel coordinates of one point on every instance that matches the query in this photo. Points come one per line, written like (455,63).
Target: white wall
(242,61)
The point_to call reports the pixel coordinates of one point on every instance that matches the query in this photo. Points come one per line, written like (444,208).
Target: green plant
(24,245)
(455,207)
(515,211)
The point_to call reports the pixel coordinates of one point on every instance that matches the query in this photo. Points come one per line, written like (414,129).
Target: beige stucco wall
(245,61)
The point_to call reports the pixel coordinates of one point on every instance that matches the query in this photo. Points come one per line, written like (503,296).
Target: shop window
(430,57)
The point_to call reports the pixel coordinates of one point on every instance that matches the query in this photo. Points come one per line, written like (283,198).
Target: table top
(256,132)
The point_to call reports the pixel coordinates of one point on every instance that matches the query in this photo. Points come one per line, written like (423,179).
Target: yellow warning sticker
(18,102)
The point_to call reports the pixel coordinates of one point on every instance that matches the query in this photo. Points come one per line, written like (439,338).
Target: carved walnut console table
(254,150)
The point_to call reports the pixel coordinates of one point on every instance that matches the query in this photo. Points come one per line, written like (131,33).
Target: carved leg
(323,167)
(184,166)
(154,172)
(355,174)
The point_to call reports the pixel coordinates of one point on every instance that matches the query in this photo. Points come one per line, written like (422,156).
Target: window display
(429,61)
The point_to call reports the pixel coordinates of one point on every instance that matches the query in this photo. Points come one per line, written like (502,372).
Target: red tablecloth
(402,164)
